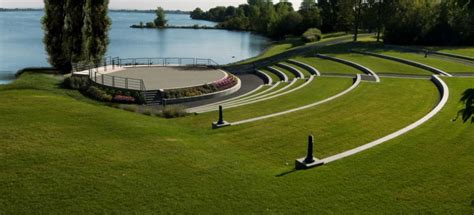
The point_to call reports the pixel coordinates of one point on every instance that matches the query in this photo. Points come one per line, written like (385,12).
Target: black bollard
(309,155)
(221,117)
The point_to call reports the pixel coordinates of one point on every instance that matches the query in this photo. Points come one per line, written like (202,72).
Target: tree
(98,23)
(198,14)
(308,5)
(53,23)
(75,31)
(160,20)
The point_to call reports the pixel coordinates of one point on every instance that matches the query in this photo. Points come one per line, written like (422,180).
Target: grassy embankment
(60,154)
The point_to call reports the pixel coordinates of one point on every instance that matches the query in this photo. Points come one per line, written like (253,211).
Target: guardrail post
(105,64)
(113,81)
(113,64)
(102,77)
(95,78)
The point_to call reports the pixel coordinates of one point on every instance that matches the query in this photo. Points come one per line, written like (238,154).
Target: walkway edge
(444,91)
(311,69)
(350,63)
(354,85)
(409,62)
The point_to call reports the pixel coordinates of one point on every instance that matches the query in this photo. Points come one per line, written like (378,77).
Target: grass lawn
(272,92)
(328,66)
(289,74)
(272,75)
(291,43)
(305,72)
(318,89)
(62,155)
(445,65)
(465,51)
(379,65)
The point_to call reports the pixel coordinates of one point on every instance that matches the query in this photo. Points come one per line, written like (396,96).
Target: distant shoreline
(111,10)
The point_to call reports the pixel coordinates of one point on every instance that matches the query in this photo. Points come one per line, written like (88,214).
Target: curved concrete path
(245,101)
(308,67)
(405,61)
(444,91)
(296,72)
(263,98)
(279,73)
(355,85)
(352,64)
(216,104)
(269,80)
(291,84)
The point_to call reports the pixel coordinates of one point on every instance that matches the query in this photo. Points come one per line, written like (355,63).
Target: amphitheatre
(375,110)
(332,126)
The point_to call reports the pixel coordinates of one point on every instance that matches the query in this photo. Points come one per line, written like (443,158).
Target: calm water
(21,41)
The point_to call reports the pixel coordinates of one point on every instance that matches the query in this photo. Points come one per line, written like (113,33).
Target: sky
(143,4)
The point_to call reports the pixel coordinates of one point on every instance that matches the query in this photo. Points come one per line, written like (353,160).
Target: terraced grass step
(299,101)
(445,65)
(285,71)
(369,112)
(382,66)
(327,66)
(270,90)
(272,75)
(303,71)
(283,77)
(312,70)
(294,85)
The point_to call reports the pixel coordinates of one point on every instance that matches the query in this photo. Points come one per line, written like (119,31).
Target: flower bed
(213,87)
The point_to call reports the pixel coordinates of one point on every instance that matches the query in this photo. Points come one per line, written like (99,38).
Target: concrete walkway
(355,85)
(444,91)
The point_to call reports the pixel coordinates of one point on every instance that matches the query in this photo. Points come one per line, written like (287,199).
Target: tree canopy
(444,22)
(75,31)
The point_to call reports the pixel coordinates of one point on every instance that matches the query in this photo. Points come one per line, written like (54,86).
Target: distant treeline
(421,22)
(117,10)
(21,9)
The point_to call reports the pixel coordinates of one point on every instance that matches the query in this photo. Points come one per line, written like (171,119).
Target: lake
(21,40)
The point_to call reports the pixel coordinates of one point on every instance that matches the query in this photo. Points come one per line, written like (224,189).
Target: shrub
(98,94)
(76,82)
(312,35)
(123,99)
(150,25)
(174,111)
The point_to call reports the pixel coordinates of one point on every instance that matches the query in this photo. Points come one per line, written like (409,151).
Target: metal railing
(173,61)
(117,82)
(132,83)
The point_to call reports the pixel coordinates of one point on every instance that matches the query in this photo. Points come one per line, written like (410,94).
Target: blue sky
(142,4)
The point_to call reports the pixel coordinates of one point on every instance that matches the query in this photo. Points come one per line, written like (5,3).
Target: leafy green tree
(73,41)
(75,31)
(308,5)
(160,20)
(53,23)
(97,34)
(198,13)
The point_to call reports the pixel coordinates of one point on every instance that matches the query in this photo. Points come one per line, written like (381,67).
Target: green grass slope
(328,66)
(445,65)
(379,65)
(59,154)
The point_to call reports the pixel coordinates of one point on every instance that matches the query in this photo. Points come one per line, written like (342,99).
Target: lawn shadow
(286,173)
(467,113)
(344,48)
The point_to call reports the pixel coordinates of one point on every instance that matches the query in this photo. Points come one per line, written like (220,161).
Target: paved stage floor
(157,77)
